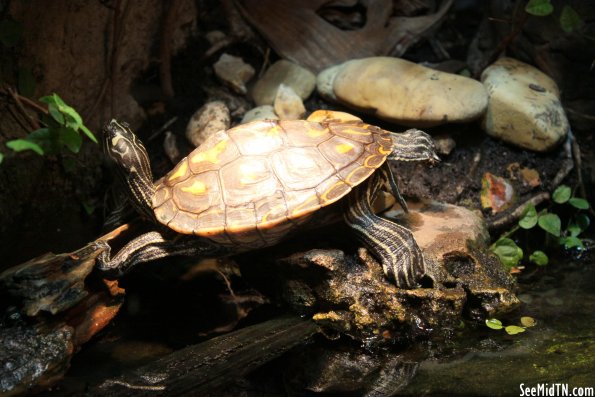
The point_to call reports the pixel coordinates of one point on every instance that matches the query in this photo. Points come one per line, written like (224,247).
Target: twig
(517,28)
(32,104)
(518,212)
(18,119)
(17,100)
(164,127)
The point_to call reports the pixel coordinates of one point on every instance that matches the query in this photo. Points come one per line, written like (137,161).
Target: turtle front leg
(392,244)
(152,246)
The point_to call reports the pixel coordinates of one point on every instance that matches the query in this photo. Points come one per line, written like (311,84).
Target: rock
(170,147)
(208,119)
(301,80)
(215,36)
(264,112)
(288,105)
(350,295)
(403,92)
(444,144)
(233,72)
(524,106)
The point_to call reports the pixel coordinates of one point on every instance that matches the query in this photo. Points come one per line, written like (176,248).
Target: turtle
(253,185)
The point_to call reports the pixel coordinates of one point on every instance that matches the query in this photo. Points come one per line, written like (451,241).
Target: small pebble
(233,72)
(170,147)
(444,144)
(214,36)
(288,105)
(210,118)
(264,112)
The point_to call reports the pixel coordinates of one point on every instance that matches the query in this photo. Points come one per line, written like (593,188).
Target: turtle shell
(252,184)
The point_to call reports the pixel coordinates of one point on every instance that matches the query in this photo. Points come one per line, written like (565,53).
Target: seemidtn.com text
(555,390)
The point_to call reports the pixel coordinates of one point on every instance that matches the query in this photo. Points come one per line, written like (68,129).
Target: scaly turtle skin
(252,185)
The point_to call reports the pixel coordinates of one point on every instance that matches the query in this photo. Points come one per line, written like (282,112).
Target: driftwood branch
(204,367)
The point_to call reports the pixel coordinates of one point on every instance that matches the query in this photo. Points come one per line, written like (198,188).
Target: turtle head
(414,145)
(128,152)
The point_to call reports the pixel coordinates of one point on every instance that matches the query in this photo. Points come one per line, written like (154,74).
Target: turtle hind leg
(392,244)
(149,247)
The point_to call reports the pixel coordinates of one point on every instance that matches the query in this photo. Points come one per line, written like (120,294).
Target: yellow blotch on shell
(352,131)
(314,133)
(197,188)
(180,172)
(274,131)
(211,155)
(344,148)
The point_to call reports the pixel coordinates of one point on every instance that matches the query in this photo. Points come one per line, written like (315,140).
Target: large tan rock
(404,92)
(524,106)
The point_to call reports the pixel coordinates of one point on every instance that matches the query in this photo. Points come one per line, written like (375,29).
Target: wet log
(205,367)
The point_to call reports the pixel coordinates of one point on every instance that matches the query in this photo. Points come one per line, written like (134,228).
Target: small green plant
(526,322)
(511,254)
(63,127)
(569,19)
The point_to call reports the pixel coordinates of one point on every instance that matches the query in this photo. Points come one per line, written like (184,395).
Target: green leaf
(528,322)
(58,101)
(88,133)
(579,203)
(10,32)
(574,230)
(56,113)
(529,220)
(1,158)
(550,223)
(569,19)
(71,139)
(539,258)
(18,145)
(49,99)
(26,82)
(74,120)
(571,242)
(561,194)
(494,323)
(514,329)
(583,221)
(540,8)
(39,135)
(507,251)
(43,138)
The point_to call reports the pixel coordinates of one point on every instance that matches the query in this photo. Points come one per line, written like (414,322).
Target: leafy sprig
(510,254)
(63,127)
